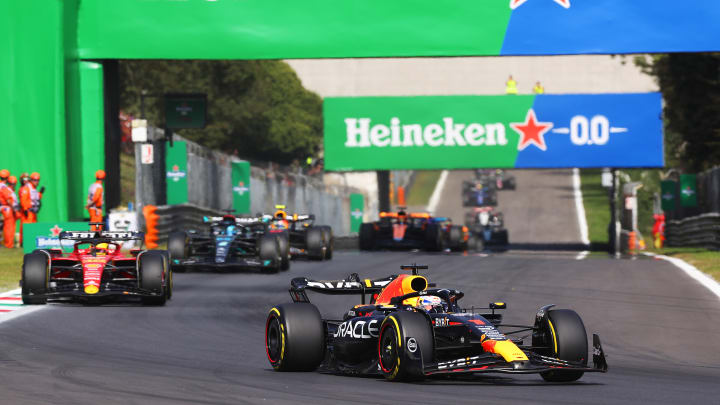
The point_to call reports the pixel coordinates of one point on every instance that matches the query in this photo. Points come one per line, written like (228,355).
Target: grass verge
(707,261)
(423,187)
(597,210)
(10,268)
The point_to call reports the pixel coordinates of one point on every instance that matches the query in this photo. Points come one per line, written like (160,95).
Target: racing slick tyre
(315,243)
(295,337)
(366,237)
(474,244)
(455,238)
(564,334)
(154,277)
(284,244)
(403,337)
(329,241)
(178,248)
(35,275)
(434,240)
(269,249)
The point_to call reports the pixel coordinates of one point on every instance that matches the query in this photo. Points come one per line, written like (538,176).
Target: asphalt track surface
(659,328)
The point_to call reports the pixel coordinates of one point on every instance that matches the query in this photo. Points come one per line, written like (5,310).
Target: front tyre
(367,237)
(405,343)
(329,241)
(563,332)
(295,337)
(178,248)
(154,277)
(315,243)
(35,275)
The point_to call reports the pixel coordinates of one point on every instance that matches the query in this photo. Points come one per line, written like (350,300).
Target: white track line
(580,208)
(435,197)
(582,255)
(707,281)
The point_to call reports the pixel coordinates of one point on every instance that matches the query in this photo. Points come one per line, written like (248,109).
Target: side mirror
(497,305)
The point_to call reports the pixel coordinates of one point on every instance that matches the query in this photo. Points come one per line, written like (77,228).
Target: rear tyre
(35,277)
(564,334)
(329,241)
(367,237)
(315,243)
(295,337)
(284,244)
(269,249)
(178,248)
(404,335)
(455,237)
(475,244)
(154,277)
(434,240)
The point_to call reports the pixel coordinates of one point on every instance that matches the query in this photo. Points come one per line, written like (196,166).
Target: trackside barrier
(151,226)
(699,231)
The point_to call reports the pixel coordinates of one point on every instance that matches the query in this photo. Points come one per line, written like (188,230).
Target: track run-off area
(660,329)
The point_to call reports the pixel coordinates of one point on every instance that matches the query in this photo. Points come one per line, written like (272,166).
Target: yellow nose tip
(91,289)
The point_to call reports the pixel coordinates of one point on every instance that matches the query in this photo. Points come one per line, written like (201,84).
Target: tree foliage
(257,108)
(690,83)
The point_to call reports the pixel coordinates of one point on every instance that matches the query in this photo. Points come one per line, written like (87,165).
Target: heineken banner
(241,187)
(667,195)
(508,131)
(44,235)
(176,168)
(280,29)
(688,190)
(357,207)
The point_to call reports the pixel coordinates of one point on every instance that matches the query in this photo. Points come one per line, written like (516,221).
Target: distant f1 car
(230,243)
(479,194)
(409,332)
(488,226)
(96,270)
(415,230)
(300,236)
(500,178)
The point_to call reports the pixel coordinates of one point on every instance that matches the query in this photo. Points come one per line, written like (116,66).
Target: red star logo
(531,131)
(517,3)
(176,168)
(240,183)
(55,230)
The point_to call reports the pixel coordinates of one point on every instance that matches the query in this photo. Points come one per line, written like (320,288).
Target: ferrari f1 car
(415,230)
(479,194)
(96,270)
(301,237)
(488,226)
(230,243)
(409,331)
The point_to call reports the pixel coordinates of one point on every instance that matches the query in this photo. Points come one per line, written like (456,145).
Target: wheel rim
(273,341)
(388,349)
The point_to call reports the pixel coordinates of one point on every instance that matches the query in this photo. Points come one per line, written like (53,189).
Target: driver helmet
(231,230)
(101,249)
(429,303)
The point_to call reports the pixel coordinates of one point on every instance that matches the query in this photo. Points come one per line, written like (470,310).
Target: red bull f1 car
(415,230)
(96,270)
(408,331)
(301,237)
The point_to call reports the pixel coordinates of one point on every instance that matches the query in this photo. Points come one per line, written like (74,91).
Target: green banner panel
(241,187)
(357,208)
(396,133)
(44,235)
(667,195)
(688,190)
(261,29)
(176,169)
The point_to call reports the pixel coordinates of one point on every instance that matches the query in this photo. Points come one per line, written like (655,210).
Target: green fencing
(241,187)
(176,172)
(44,235)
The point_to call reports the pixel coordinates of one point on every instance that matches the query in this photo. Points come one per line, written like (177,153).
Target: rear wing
(101,235)
(352,285)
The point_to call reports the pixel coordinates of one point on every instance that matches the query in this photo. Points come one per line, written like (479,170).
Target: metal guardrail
(698,231)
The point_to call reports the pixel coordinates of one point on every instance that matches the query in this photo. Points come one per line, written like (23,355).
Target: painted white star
(517,3)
